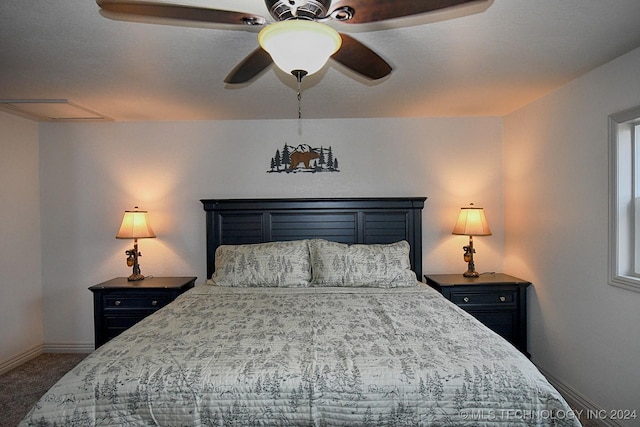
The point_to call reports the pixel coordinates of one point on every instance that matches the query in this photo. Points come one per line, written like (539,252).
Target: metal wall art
(304,158)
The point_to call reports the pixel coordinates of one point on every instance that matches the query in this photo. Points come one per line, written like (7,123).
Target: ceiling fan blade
(120,9)
(250,67)
(359,58)
(379,10)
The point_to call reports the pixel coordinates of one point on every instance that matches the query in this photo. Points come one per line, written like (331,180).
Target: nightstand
(119,304)
(497,300)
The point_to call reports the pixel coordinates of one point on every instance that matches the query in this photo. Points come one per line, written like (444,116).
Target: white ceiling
(485,61)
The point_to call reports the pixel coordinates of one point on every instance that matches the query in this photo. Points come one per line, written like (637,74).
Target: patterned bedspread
(301,357)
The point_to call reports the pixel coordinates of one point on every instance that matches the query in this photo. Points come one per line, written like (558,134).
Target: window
(624,194)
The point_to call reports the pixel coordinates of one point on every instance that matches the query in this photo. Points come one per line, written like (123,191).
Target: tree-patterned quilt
(220,356)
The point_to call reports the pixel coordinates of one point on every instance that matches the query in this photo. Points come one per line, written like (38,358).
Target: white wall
(91,173)
(582,330)
(21,329)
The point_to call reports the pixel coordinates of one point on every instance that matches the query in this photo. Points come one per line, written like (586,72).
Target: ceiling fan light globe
(299,44)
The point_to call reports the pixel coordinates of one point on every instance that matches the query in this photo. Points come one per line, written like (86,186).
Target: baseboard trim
(579,401)
(24,357)
(32,353)
(85,347)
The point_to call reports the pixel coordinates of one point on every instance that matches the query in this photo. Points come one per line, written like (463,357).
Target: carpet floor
(21,387)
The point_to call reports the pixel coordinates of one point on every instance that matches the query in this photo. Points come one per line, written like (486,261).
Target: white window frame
(624,190)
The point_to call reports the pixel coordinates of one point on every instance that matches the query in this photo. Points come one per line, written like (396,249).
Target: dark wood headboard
(349,220)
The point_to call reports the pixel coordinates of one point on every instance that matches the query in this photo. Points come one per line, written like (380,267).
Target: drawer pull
(503,299)
(117,302)
(154,303)
(465,299)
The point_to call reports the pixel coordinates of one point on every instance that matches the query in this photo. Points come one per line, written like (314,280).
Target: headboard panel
(344,220)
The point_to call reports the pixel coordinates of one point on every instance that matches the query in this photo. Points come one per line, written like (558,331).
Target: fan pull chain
(299,74)
(299,101)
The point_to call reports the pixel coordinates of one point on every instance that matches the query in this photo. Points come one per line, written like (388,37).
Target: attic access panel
(50,110)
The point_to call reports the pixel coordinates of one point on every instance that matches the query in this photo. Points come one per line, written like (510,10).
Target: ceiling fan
(294,19)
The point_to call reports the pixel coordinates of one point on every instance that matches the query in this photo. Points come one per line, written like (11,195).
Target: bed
(313,315)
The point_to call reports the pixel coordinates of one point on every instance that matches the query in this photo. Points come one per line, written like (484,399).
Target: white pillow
(276,264)
(381,266)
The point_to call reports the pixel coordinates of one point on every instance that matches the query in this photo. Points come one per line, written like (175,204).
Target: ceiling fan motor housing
(283,10)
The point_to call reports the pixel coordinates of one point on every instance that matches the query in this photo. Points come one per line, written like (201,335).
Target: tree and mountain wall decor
(304,158)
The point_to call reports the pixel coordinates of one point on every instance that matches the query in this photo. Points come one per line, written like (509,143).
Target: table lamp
(471,222)
(135,225)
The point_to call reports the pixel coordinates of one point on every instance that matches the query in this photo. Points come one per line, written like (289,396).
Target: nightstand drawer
(504,323)
(131,302)
(121,322)
(119,304)
(498,298)
(114,326)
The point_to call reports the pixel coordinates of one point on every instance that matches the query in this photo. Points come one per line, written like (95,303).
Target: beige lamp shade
(299,45)
(472,222)
(135,225)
